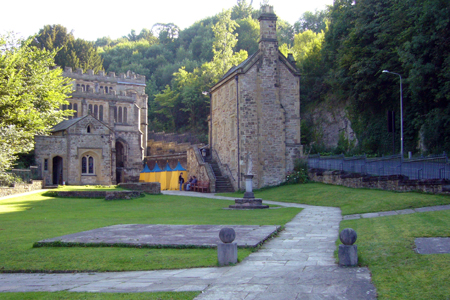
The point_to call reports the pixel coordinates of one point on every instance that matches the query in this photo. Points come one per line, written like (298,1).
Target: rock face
(331,123)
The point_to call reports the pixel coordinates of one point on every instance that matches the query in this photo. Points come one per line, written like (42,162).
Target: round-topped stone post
(227,250)
(348,253)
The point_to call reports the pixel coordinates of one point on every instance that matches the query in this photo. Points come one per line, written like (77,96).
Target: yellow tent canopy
(174,185)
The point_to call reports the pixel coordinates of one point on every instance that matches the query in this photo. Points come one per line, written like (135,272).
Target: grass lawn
(25,220)
(351,201)
(386,246)
(100,296)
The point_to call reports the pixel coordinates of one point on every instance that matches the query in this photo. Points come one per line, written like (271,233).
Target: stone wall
(163,160)
(390,183)
(153,188)
(255,113)
(196,167)
(21,188)
(155,148)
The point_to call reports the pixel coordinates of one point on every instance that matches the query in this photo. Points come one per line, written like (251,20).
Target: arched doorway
(57,170)
(120,161)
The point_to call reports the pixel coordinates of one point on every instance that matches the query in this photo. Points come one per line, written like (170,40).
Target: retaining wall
(390,183)
(21,188)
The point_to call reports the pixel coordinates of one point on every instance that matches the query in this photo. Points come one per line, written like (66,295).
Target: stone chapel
(254,125)
(105,140)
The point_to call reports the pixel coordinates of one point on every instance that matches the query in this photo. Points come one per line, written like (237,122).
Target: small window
(120,114)
(90,109)
(89,129)
(75,108)
(87,88)
(87,165)
(106,89)
(115,114)
(96,111)
(45,164)
(125,115)
(100,115)
(83,88)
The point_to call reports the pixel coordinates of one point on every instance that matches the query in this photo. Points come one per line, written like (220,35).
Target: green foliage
(71,52)
(299,174)
(315,22)
(31,93)
(368,36)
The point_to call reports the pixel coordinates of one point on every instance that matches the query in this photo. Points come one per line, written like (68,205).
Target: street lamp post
(401,111)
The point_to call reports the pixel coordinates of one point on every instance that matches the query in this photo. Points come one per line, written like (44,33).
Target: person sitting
(194,182)
(188,184)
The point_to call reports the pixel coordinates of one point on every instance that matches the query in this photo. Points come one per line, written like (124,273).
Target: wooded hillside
(341,53)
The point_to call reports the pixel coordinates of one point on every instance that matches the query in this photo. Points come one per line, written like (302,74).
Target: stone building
(255,113)
(104,141)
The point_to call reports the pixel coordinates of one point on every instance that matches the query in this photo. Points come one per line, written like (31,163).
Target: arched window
(115,114)
(125,115)
(87,165)
(87,88)
(106,89)
(64,107)
(75,108)
(100,115)
(83,88)
(90,109)
(120,114)
(96,111)
(89,129)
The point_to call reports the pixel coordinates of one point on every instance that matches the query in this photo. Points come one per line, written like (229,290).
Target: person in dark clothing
(181,181)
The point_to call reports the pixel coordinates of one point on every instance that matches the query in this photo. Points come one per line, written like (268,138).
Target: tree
(31,94)
(70,52)
(242,10)
(224,43)
(312,21)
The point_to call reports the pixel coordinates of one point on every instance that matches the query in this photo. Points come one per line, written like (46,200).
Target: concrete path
(298,264)
(397,212)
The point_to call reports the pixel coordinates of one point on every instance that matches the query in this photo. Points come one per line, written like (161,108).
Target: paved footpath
(297,264)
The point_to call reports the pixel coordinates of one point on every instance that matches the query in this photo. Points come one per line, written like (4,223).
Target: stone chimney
(268,27)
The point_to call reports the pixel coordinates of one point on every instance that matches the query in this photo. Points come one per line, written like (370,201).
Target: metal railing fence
(431,167)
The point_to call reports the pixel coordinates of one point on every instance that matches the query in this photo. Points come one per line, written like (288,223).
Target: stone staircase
(223,184)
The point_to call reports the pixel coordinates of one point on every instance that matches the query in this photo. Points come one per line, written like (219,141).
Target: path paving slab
(435,245)
(167,235)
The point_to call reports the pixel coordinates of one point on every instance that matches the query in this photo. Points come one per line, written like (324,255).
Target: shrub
(300,173)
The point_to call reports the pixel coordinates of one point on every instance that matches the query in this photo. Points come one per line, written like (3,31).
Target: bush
(8,179)
(300,173)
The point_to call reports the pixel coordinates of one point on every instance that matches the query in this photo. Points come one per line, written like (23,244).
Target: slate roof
(65,124)
(242,64)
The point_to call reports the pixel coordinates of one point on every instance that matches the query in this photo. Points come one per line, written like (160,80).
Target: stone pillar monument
(348,253)
(249,201)
(227,250)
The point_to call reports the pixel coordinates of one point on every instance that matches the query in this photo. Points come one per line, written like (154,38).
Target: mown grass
(28,219)
(386,245)
(351,201)
(100,296)
(87,188)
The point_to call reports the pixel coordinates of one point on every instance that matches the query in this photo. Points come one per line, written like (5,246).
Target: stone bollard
(348,253)
(227,251)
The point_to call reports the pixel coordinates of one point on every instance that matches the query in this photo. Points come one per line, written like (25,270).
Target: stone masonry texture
(255,113)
